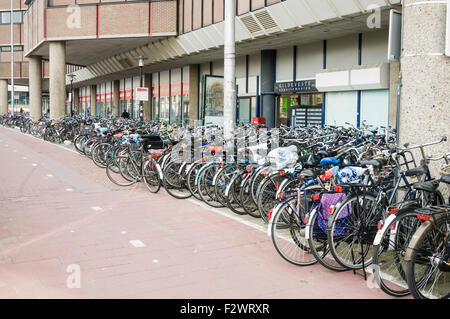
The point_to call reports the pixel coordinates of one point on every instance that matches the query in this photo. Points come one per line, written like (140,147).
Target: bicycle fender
(415,238)
(274,212)
(381,231)
(182,167)
(227,190)
(160,172)
(308,225)
(201,170)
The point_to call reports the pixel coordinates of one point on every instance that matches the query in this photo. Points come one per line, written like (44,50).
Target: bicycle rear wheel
(427,267)
(288,233)
(116,170)
(389,251)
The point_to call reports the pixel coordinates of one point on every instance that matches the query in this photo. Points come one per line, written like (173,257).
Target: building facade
(298,62)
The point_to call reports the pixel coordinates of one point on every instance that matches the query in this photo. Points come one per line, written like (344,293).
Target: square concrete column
(193,92)
(93,99)
(116,98)
(267,87)
(76,96)
(35,87)
(147,84)
(57,79)
(424,109)
(3,97)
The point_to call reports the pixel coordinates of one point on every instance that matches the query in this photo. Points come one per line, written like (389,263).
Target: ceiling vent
(259,23)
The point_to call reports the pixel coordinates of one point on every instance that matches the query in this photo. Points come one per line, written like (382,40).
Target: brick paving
(58,209)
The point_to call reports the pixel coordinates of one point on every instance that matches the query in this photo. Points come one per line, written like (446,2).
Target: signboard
(141,94)
(395,35)
(295,87)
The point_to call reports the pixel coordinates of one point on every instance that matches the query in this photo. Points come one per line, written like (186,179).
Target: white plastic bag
(283,157)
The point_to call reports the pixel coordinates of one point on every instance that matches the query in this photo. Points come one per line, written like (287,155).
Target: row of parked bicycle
(347,198)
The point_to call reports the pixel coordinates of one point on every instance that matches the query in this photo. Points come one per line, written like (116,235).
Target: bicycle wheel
(116,174)
(222,179)
(190,179)
(389,250)
(318,242)
(100,154)
(206,187)
(232,198)
(246,200)
(288,233)
(428,261)
(174,181)
(266,199)
(151,177)
(352,228)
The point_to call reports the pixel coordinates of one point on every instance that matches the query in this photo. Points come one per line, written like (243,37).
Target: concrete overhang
(156,62)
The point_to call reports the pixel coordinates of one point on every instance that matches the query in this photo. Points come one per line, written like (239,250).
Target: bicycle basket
(326,201)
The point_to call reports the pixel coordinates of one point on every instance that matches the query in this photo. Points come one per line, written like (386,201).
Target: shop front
(298,103)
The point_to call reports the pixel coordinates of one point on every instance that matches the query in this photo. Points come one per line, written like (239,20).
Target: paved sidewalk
(60,213)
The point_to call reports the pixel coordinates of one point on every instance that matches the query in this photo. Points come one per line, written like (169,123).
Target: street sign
(141,94)
(395,35)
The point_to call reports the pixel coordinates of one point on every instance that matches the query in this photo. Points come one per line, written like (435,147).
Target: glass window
(164,116)
(5,17)
(341,108)
(375,107)
(244,110)
(186,109)
(154,108)
(175,114)
(18,16)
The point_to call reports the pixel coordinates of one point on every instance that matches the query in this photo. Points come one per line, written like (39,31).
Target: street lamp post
(141,84)
(71,76)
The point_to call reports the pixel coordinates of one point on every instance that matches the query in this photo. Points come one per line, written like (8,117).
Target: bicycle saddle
(329,160)
(446,179)
(307,173)
(430,186)
(373,162)
(416,171)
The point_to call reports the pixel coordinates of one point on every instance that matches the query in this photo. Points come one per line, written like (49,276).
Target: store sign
(141,94)
(296,87)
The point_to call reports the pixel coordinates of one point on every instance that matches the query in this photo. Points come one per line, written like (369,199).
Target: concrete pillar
(91,111)
(147,84)
(57,79)
(35,87)
(393,90)
(193,92)
(3,97)
(267,87)
(425,94)
(76,100)
(116,98)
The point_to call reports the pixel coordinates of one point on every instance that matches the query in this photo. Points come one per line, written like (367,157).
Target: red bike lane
(68,232)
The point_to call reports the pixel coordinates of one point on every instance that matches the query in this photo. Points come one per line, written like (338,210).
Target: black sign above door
(295,87)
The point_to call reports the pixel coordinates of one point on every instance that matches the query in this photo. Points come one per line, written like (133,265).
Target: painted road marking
(49,175)
(34,164)
(137,243)
(155,261)
(69,189)
(124,232)
(96,208)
